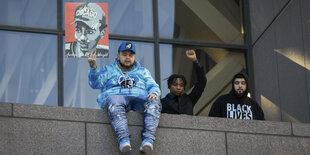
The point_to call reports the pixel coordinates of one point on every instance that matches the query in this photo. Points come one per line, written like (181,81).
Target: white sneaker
(124,145)
(146,146)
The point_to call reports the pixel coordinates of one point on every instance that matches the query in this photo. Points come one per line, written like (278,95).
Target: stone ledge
(5,109)
(37,129)
(59,113)
(29,136)
(301,129)
(167,120)
(266,144)
(223,124)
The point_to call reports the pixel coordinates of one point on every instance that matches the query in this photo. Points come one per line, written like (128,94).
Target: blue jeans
(118,105)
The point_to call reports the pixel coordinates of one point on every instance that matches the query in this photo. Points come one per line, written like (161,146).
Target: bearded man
(236,104)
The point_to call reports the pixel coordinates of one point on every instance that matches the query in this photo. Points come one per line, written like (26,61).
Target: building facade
(281,58)
(267,39)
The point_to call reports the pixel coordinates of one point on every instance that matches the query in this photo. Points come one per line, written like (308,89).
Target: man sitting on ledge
(125,85)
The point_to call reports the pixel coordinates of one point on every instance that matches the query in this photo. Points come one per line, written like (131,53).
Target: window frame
(156,40)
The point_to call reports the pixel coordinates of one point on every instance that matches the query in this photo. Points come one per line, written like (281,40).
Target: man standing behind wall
(178,102)
(125,85)
(237,104)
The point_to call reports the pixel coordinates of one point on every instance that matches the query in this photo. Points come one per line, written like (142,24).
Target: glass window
(211,21)
(77,92)
(28,68)
(30,13)
(165,51)
(220,65)
(131,18)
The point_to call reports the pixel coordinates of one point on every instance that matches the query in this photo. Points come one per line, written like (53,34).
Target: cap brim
(128,50)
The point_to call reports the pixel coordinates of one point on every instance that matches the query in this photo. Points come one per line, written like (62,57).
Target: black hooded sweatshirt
(232,106)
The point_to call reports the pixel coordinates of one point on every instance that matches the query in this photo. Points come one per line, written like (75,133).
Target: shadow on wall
(273,112)
(292,111)
(295,56)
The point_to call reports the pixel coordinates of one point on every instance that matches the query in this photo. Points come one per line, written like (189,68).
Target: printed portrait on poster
(86,26)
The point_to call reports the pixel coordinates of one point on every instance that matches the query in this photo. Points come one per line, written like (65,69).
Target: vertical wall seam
(277,61)
(292,133)
(12,113)
(249,55)
(305,60)
(85,130)
(278,78)
(156,42)
(60,76)
(226,143)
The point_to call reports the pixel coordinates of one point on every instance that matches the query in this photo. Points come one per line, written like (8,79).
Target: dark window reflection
(29,13)
(201,20)
(28,72)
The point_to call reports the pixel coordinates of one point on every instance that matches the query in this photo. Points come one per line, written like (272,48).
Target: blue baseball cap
(127,46)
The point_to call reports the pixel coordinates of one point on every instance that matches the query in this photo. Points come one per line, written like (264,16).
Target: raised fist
(191,55)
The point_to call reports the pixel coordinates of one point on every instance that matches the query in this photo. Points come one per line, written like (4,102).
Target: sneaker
(124,145)
(146,146)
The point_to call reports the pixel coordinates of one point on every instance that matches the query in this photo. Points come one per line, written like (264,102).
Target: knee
(153,107)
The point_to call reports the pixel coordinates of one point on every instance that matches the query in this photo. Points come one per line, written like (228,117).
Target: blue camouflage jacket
(112,81)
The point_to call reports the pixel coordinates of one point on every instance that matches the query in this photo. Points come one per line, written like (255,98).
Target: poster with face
(86,26)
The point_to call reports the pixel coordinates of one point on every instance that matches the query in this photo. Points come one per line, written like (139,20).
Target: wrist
(93,67)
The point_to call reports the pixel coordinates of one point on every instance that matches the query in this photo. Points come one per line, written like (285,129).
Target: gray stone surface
(248,126)
(5,109)
(40,133)
(178,121)
(223,124)
(60,113)
(279,5)
(30,136)
(101,138)
(292,75)
(285,92)
(167,120)
(266,75)
(169,141)
(305,7)
(301,129)
(134,118)
(180,141)
(244,144)
(261,12)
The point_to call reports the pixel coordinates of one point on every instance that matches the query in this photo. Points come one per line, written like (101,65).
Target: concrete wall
(37,129)
(281,58)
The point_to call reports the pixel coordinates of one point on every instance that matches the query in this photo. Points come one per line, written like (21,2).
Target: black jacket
(186,102)
(232,106)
